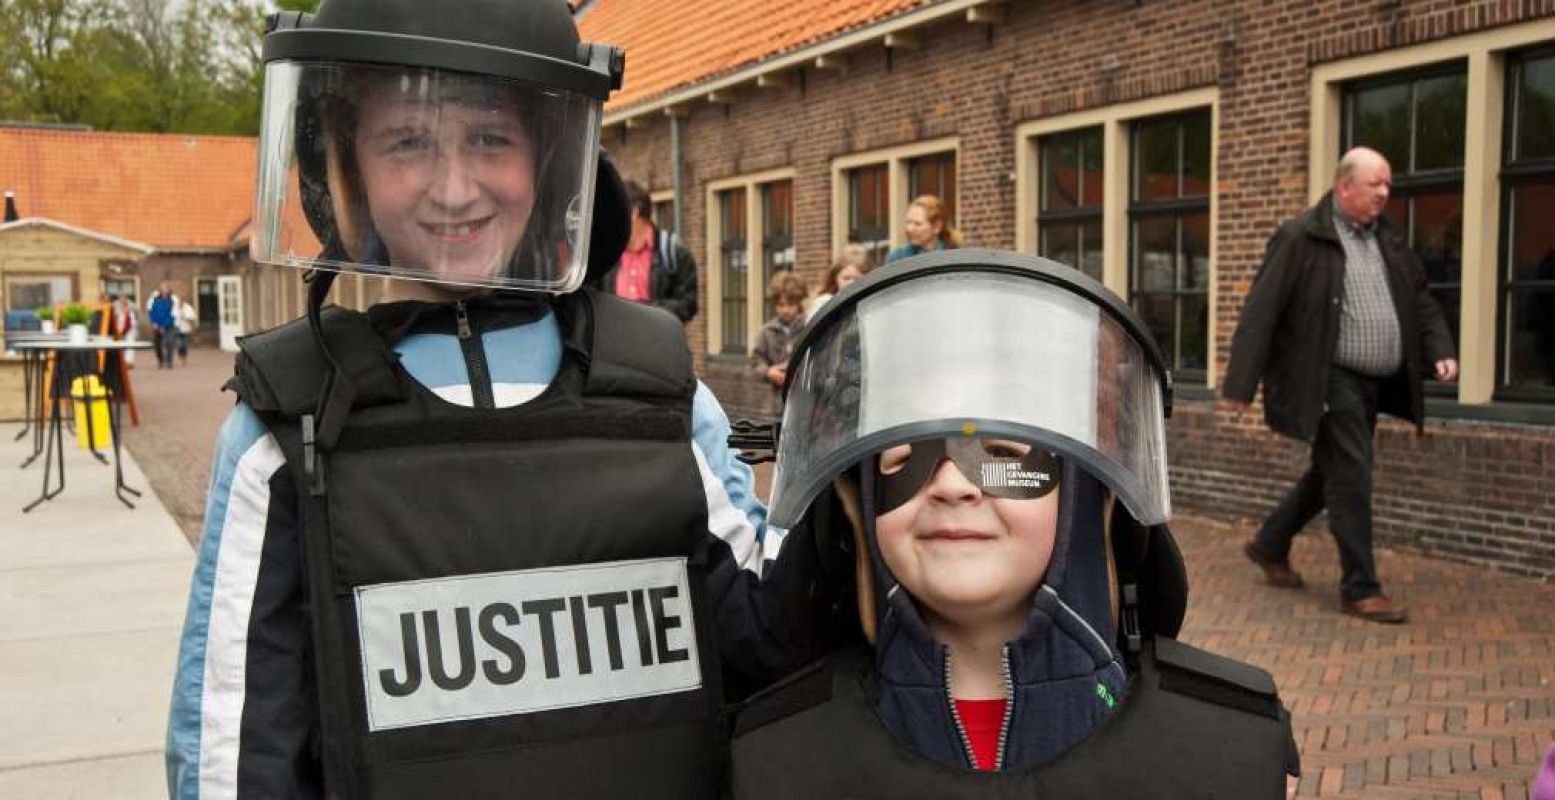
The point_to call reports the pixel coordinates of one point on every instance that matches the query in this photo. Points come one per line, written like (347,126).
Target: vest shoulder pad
(281,370)
(809,687)
(633,349)
(1200,674)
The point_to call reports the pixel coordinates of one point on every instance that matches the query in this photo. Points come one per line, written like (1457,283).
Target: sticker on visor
(997,467)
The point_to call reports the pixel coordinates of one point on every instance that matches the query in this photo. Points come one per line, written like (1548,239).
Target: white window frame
(755,291)
(1486,53)
(896,160)
(1116,122)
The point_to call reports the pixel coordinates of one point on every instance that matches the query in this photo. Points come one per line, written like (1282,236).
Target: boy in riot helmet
(487,538)
(989,429)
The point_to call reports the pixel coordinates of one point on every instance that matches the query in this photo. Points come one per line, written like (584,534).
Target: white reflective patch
(529,640)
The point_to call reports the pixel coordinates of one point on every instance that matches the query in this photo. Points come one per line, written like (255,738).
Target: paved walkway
(94,598)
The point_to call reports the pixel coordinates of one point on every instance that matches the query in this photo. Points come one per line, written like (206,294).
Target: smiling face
(449,184)
(920,231)
(966,556)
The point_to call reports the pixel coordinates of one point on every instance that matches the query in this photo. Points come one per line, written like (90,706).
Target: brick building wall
(1475,490)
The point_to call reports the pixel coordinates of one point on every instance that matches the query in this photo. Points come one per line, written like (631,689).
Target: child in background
(852,264)
(787,293)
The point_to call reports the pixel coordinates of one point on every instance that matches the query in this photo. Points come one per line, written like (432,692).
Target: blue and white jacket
(244,716)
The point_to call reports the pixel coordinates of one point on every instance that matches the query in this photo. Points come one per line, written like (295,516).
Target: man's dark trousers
(1340,479)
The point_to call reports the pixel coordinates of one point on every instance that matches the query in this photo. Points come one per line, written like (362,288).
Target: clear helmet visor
(974,354)
(427,174)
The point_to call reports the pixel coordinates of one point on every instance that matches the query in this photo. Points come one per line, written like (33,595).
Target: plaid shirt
(1368,321)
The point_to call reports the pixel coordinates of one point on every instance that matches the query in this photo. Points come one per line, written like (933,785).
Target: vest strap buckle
(1131,632)
(311,464)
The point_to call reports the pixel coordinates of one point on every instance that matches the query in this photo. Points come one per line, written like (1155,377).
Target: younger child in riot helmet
(987,429)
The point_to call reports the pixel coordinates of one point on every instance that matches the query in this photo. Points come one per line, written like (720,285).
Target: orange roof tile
(675,43)
(166,190)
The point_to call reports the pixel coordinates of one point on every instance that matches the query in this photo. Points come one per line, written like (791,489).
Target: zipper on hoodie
(1004,725)
(1009,708)
(474,359)
(955,718)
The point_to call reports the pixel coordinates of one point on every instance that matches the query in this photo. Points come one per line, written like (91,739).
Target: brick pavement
(1459,703)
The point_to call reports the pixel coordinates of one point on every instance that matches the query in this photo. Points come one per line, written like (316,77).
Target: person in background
(927,230)
(656,269)
(1339,326)
(164,332)
(852,264)
(787,293)
(123,326)
(186,322)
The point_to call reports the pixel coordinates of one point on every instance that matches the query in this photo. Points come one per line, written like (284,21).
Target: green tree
(133,64)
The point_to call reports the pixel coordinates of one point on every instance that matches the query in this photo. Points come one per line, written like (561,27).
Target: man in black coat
(1339,325)
(656,268)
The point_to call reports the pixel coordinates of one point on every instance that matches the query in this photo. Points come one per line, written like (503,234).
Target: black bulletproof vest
(1193,725)
(507,601)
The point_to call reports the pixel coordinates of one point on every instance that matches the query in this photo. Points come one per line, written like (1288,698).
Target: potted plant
(75,318)
(45,316)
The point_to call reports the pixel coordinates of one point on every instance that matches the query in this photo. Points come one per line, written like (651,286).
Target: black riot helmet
(451,142)
(1015,369)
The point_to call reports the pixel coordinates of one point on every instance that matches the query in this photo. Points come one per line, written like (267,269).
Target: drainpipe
(675,170)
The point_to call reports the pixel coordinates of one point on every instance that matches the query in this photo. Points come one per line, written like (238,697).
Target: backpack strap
(281,371)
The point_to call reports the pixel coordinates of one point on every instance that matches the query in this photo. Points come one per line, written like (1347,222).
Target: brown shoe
(1376,608)
(1278,573)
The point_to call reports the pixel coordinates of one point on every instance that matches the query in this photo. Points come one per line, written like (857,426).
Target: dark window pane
(1451,303)
(1159,312)
(1379,119)
(1155,160)
(777,208)
(934,175)
(777,240)
(1535,112)
(1195,253)
(1090,249)
(1532,250)
(1397,210)
(1060,243)
(1196,155)
(1439,121)
(1061,172)
(1437,236)
(1155,248)
(664,214)
(868,199)
(1091,184)
(1530,339)
(1193,325)
(735,269)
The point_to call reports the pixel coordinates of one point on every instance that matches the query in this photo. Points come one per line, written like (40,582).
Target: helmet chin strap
(321,430)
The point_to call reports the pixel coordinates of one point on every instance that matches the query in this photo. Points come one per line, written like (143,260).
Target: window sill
(1501,412)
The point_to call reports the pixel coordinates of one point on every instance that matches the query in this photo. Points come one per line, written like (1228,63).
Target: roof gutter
(796,58)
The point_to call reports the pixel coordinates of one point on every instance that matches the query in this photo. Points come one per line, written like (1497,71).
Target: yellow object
(89,397)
